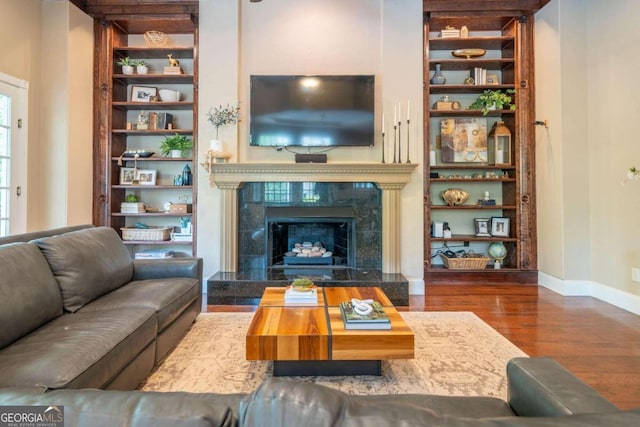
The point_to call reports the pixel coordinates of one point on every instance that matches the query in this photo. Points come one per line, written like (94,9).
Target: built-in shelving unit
(506,36)
(122,36)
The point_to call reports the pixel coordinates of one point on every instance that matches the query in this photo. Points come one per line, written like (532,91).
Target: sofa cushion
(98,408)
(78,350)
(168,297)
(30,296)
(87,264)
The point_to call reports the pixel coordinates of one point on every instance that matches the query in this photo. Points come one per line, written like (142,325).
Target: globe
(497,250)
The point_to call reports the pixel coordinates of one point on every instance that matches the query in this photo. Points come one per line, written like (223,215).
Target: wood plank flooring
(598,342)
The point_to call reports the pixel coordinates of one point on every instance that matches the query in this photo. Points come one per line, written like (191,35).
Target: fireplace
(346,218)
(310,236)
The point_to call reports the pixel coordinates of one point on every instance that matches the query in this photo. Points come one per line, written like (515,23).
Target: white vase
(176,154)
(142,69)
(127,69)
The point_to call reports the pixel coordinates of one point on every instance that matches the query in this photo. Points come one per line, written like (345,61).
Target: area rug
(456,354)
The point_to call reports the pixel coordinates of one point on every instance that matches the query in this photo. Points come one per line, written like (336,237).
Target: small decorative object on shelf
(438,78)
(468,261)
(155,38)
(464,32)
(174,66)
(486,200)
(449,32)
(454,196)
(500,227)
(498,252)
(186,175)
(468,53)
(142,67)
(463,140)
(482,227)
(499,144)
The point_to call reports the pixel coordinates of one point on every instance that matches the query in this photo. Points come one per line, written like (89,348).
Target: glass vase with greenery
(223,115)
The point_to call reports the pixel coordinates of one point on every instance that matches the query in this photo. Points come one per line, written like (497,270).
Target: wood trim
(495,6)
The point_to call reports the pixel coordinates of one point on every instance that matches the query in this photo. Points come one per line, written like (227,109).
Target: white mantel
(390,178)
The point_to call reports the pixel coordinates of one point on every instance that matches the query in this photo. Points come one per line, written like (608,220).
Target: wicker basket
(155,38)
(146,234)
(467,263)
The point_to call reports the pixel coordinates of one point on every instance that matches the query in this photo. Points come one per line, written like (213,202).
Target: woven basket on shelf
(155,38)
(146,234)
(466,263)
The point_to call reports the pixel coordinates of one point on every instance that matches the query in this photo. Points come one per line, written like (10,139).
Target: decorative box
(132,208)
(180,208)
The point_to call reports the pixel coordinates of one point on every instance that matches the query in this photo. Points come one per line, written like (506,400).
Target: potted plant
(176,145)
(493,100)
(223,115)
(127,65)
(142,66)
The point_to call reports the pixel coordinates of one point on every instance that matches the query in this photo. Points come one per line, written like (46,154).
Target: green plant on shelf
(176,142)
(126,61)
(494,100)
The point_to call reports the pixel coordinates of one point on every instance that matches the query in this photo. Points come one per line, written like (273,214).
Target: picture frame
(146,176)
(500,227)
(143,93)
(127,176)
(482,227)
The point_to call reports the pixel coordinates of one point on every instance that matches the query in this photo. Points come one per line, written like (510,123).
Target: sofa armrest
(172,267)
(541,387)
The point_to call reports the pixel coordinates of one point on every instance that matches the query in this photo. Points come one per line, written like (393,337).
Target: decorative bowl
(468,53)
(155,38)
(454,196)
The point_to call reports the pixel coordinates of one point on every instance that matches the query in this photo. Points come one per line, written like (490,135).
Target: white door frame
(18,90)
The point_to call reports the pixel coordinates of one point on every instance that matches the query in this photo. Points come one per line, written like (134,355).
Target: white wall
(589,235)
(377,37)
(49,43)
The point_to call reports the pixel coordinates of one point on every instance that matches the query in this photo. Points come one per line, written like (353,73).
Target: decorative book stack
(375,319)
(296,296)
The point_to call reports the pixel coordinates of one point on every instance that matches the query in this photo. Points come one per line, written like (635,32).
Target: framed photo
(143,93)
(492,79)
(500,227)
(146,176)
(482,227)
(127,176)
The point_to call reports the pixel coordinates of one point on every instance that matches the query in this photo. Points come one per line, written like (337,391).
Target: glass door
(13,155)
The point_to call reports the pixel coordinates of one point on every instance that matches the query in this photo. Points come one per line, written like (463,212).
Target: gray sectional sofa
(77,312)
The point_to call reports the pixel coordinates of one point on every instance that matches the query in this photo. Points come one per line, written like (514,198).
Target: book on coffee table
(377,319)
(292,295)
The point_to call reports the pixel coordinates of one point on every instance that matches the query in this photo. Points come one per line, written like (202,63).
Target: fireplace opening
(310,236)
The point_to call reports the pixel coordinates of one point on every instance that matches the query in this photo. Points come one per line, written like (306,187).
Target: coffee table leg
(288,368)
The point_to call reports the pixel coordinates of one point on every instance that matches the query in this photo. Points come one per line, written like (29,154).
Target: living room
(587,244)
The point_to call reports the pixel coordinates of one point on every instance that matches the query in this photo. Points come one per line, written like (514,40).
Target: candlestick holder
(383,148)
(399,141)
(408,161)
(394,143)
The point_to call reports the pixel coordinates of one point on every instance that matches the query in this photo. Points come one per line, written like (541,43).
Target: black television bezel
(339,144)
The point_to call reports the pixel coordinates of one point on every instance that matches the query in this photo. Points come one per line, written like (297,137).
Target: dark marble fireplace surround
(254,273)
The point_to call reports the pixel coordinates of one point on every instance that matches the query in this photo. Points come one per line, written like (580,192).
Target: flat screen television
(311,111)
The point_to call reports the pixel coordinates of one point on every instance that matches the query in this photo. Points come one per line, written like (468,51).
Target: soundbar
(311,158)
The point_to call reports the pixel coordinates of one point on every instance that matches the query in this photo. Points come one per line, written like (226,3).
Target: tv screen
(311,111)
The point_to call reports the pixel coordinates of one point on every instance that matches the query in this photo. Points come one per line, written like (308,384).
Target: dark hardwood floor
(598,342)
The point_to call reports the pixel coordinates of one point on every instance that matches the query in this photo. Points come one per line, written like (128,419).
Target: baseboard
(416,286)
(588,288)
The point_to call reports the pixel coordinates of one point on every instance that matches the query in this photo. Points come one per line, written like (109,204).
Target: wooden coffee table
(311,339)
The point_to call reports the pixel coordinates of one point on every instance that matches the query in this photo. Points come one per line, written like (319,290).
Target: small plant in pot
(494,100)
(142,66)
(175,146)
(127,65)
